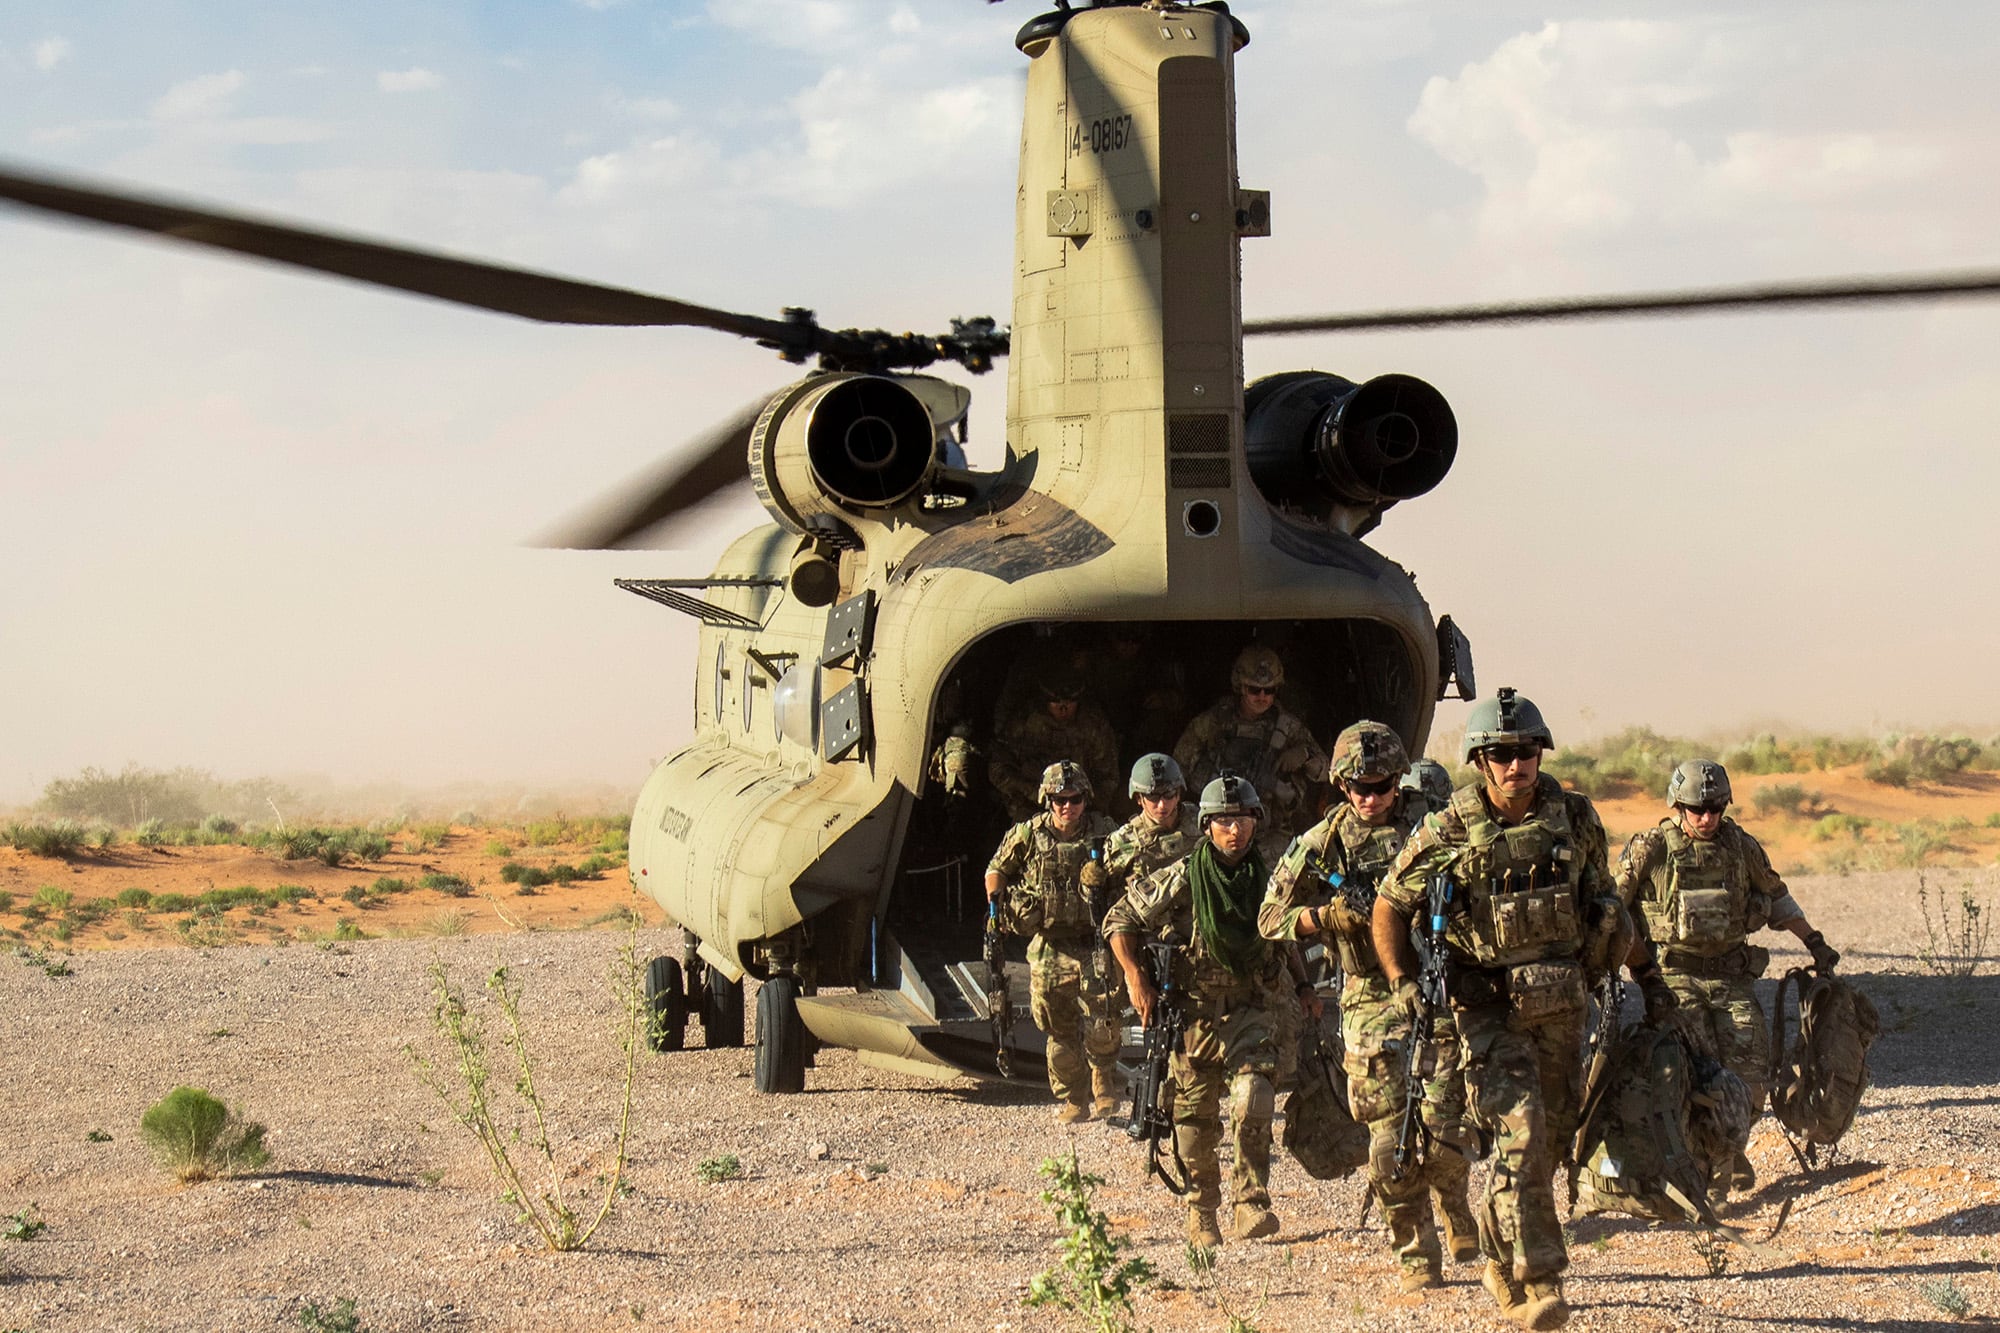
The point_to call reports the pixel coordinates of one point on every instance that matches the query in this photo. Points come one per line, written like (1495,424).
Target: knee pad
(1254,1093)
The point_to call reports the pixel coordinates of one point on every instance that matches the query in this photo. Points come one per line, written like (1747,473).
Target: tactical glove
(1409,999)
(1294,758)
(1093,876)
(1660,998)
(1824,955)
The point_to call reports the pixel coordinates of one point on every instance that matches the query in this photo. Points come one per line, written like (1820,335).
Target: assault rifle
(1358,893)
(999,999)
(1610,995)
(1152,1108)
(1428,937)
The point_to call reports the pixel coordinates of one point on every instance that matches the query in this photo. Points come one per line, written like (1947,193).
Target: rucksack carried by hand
(1319,1131)
(1818,1077)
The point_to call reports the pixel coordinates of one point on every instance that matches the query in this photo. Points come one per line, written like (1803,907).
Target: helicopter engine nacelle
(1313,438)
(840,444)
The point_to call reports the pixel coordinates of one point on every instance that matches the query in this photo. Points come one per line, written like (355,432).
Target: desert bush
(152,833)
(1637,759)
(182,796)
(387,885)
(1786,798)
(616,841)
(196,1137)
(139,898)
(715,1170)
(23,1225)
(563,873)
(1829,827)
(429,837)
(528,877)
(56,838)
(52,899)
(470,1096)
(169,903)
(448,921)
(439,882)
(346,931)
(594,865)
(1094,1281)
(340,1317)
(499,847)
(6,901)
(1902,760)
(103,835)
(1953,948)
(217,829)
(1921,840)
(547,832)
(1945,1296)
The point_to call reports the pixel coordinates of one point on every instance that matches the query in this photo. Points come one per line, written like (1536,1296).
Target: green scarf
(1225,906)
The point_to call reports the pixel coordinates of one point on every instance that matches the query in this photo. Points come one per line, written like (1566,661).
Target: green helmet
(1060,777)
(1505,719)
(1229,795)
(1368,747)
(1259,666)
(1699,782)
(1427,777)
(1156,775)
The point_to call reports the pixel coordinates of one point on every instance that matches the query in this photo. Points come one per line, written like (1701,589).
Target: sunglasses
(1356,787)
(1508,754)
(1715,809)
(1260,689)
(1065,800)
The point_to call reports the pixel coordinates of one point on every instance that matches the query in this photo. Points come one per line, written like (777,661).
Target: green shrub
(103,835)
(385,886)
(286,894)
(497,847)
(1921,839)
(345,930)
(357,895)
(429,837)
(59,838)
(594,865)
(563,874)
(219,829)
(221,900)
(196,1137)
(1785,798)
(152,833)
(548,832)
(1829,827)
(1906,759)
(528,877)
(6,901)
(172,902)
(339,1317)
(440,882)
(52,899)
(134,897)
(715,1170)
(1096,1279)
(1637,759)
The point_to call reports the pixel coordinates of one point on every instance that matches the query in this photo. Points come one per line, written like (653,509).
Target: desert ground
(873,1200)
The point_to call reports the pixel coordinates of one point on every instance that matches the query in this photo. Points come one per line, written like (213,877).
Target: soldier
(1064,725)
(1039,867)
(1239,990)
(1530,882)
(1165,829)
(1700,885)
(1357,841)
(1428,782)
(1249,734)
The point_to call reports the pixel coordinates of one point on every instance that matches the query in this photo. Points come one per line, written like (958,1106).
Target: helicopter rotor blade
(510,291)
(1836,291)
(710,466)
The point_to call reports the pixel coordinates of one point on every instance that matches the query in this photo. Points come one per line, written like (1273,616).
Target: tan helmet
(1368,747)
(1259,666)
(1060,777)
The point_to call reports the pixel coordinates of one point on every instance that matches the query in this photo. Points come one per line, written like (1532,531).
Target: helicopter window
(749,698)
(795,705)
(721,675)
(1201,518)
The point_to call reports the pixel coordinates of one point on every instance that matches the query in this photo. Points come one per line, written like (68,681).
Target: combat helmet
(1505,719)
(1229,795)
(1060,683)
(1367,747)
(1259,666)
(1156,775)
(1699,782)
(1062,776)
(1427,777)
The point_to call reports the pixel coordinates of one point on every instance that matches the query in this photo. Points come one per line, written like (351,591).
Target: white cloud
(204,95)
(905,21)
(415,80)
(797,23)
(50,52)
(642,108)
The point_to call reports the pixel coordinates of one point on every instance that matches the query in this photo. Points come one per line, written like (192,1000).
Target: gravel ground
(872,1201)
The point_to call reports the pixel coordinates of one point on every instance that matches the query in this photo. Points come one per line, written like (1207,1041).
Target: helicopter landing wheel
(666,1005)
(721,1003)
(781,1037)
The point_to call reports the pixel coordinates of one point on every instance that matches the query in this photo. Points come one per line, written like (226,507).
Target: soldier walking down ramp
(1529,879)
(1062,725)
(1036,878)
(1239,990)
(1700,886)
(1357,841)
(1250,735)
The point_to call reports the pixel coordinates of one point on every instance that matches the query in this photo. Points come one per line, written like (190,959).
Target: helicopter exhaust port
(840,443)
(1313,438)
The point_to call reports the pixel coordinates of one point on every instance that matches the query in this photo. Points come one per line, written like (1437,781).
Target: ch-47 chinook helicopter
(896,592)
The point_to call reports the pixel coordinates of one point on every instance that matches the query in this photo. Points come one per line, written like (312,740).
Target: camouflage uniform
(1698,901)
(1037,740)
(1514,942)
(1069,992)
(1375,1032)
(1275,752)
(1140,847)
(1241,1031)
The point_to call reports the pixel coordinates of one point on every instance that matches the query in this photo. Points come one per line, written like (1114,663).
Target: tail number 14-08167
(1105,135)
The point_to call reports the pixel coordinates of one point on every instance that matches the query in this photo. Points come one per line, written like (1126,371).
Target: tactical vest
(1519,885)
(1048,897)
(1142,847)
(1251,749)
(1368,852)
(1706,906)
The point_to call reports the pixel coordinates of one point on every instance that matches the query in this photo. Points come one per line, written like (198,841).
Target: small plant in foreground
(96,1136)
(23,1225)
(1201,1262)
(1953,948)
(197,1137)
(336,1318)
(1093,1281)
(715,1170)
(1944,1294)
(1713,1251)
(470,1096)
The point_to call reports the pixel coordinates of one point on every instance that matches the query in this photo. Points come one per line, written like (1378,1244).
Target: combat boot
(1202,1232)
(1254,1221)
(1506,1292)
(1071,1113)
(1742,1175)
(1461,1233)
(1105,1090)
(1544,1307)
(1421,1279)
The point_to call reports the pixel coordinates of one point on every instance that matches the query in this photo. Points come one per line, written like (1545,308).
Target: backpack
(1818,1078)
(1667,1112)
(1319,1130)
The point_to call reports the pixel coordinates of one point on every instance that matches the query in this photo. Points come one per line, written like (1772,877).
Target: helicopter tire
(721,1010)
(781,1037)
(666,1005)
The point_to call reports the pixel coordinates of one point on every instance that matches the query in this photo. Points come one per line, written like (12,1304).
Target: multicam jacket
(1035,740)
(1140,847)
(1523,891)
(1275,752)
(1040,869)
(1701,899)
(1361,854)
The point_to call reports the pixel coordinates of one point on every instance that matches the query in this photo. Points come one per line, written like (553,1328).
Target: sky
(264,523)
